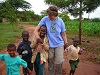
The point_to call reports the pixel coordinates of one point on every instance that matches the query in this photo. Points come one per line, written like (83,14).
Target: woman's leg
(51,61)
(59,59)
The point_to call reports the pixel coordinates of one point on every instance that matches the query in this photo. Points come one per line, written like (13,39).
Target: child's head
(25,36)
(43,31)
(11,48)
(75,41)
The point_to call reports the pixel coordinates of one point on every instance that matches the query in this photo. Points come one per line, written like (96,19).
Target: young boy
(73,51)
(13,61)
(40,56)
(25,50)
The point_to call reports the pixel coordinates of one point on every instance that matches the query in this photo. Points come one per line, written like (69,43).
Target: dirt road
(84,67)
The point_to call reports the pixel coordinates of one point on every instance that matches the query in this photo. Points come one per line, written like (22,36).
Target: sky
(39,5)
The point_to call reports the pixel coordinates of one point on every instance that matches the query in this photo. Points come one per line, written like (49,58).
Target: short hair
(43,26)
(76,38)
(25,32)
(11,46)
(52,10)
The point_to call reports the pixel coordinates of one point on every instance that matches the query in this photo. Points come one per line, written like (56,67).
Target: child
(25,50)
(40,56)
(13,61)
(73,51)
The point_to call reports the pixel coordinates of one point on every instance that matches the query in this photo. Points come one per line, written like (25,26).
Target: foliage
(95,20)
(7,35)
(43,13)
(73,6)
(16,4)
(9,9)
(64,16)
(28,16)
(30,23)
(88,28)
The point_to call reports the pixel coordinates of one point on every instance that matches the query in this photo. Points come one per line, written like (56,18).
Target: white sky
(39,5)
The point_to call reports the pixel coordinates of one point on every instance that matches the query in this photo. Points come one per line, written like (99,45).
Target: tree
(64,16)
(16,4)
(9,9)
(43,13)
(76,8)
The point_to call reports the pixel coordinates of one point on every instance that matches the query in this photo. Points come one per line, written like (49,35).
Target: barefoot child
(25,50)
(40,56)
(13,61)
(73,51)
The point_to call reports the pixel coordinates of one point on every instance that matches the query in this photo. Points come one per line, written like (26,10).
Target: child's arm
(20,49)
(80,50)
(24,64)
(2,57)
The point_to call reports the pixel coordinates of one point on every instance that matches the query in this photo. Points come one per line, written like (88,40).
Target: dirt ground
(84,67)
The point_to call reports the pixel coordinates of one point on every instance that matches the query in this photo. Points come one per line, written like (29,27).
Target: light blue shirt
(54,30)
(12,64)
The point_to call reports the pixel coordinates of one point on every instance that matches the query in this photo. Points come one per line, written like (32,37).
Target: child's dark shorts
(30,66)
(73,64)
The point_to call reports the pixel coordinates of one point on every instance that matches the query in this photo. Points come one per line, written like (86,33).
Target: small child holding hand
(73,51)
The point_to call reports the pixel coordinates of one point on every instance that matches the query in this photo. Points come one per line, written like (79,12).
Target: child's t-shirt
(27,57)
(12,64)
(73,52)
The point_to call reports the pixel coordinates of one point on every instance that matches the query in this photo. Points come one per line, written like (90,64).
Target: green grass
(88,28)
(8,35)
(30,23)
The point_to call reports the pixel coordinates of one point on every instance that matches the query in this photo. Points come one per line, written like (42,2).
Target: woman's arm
(36,32)
(63,34)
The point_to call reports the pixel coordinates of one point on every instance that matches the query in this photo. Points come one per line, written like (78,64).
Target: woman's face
(52,17)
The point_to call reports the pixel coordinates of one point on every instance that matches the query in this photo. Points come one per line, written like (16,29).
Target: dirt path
(84,67)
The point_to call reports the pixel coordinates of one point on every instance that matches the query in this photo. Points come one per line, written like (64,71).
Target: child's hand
(65,50)
(23,48)
(39,40)
(30,72)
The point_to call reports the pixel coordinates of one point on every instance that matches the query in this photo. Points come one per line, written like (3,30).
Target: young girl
(73,51)
(13,61)
(40,56)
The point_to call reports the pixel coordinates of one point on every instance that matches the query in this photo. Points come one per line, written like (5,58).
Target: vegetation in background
(7,35)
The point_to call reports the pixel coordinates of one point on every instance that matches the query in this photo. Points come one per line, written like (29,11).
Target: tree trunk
(80,22)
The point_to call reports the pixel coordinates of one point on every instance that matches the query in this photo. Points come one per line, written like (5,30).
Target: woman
(57,39)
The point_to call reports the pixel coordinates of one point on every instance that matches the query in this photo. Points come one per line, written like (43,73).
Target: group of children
(32,55)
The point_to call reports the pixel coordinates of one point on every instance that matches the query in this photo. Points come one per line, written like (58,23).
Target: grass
(8,35)
(88,28)
(30,23)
